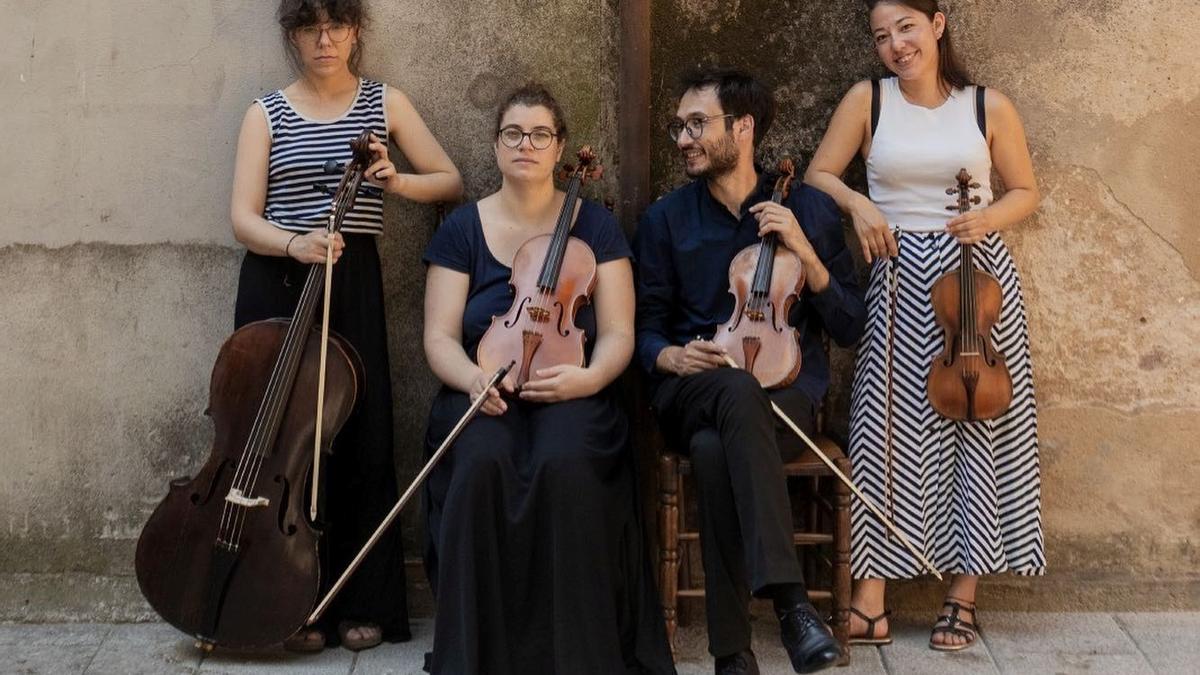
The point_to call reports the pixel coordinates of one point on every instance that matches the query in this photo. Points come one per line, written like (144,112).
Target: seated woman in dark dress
(535,549)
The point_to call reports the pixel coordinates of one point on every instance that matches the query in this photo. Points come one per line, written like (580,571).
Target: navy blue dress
(534,547)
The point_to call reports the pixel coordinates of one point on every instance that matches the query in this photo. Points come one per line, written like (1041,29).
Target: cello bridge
(237,497)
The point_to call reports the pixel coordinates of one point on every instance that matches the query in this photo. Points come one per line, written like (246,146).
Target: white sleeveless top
(916,154)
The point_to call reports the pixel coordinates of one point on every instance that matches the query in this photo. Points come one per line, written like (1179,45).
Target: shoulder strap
(874,106)
(980,110)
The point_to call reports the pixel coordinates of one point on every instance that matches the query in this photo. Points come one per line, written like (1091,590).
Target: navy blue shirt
(459,244)
(683,247)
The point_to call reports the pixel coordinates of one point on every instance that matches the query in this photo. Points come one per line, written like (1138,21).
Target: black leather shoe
(741,663)
(809,643)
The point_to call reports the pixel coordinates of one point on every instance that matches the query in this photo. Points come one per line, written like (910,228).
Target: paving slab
(46,659)
(910,652)
(692,657)
(1087,634)
(333,661)
(53,634)
(1170,641)
(1068,664)
(145,649)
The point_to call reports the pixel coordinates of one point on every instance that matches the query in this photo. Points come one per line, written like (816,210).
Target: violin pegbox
(963,189)
(587,169)
(787,174)
(361,147)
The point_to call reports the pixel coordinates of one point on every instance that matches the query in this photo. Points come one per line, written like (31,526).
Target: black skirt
(535,550)
(360,477)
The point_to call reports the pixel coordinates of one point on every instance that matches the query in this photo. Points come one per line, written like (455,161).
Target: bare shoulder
(998,105)
(858,96)
(397,100)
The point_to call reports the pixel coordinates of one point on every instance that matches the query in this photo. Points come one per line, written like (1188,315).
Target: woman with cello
(965,487)
(534,545)
(286,141)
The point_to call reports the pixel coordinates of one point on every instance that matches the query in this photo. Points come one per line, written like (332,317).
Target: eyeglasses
(338,32)
(693,125)
(540,138)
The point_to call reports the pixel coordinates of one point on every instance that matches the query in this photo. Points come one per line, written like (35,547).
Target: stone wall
(116,149)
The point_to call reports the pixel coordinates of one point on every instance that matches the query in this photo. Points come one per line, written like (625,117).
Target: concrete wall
(117,140)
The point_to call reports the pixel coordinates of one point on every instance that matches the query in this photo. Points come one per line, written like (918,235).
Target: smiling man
(721,417)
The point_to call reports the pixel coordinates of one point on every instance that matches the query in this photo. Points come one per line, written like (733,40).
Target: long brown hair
(951,72)
(294,14)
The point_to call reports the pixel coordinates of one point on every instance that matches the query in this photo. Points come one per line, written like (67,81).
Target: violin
(968,381)
(230,556)
(553,276)
(765,279)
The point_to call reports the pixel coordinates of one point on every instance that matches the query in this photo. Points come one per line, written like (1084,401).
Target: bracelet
(287,249)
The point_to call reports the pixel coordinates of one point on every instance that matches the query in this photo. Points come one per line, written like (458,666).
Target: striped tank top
(300,147)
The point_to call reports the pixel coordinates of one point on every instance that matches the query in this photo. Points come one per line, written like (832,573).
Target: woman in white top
(966,493)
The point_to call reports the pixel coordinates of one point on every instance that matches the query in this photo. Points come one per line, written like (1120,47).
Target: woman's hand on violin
(779,219)
(559,383)
(494,405)
(873,232)
(970,227)
(382,172)
(311,247)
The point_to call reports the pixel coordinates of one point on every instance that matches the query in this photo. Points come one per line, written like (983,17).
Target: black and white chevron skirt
(967,494)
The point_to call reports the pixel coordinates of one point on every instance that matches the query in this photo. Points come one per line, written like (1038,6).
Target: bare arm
(250,195)
(436,179)
(445,300)
(1010,157)
(849,133)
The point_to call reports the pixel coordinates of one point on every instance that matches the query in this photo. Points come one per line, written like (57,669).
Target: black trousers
(360,476)
(723,420)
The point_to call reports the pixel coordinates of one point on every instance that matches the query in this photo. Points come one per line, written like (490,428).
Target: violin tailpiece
(750,347)
(530,341)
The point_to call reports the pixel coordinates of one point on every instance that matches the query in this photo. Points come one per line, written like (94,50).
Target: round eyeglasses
(693,125)
(540,138)
(338,32)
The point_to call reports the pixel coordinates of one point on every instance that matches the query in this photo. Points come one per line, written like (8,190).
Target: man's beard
(722,158)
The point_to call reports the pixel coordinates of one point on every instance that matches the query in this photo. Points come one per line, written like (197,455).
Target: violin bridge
(538,314)
(236,496)
(755,314)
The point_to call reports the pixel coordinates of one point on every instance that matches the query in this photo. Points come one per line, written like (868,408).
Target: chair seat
(807,464)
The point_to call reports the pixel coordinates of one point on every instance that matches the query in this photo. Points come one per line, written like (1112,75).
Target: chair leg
(668,532)
(841,562)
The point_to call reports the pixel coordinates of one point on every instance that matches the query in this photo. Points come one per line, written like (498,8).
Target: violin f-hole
(517,314)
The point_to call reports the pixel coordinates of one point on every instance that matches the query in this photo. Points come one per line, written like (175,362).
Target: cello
(230,556)
(553,276)
(968,381)
(765,280)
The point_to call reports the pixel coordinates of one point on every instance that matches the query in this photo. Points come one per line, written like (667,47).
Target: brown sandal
(361,643)
(868,638)
(951,624)
(305,640)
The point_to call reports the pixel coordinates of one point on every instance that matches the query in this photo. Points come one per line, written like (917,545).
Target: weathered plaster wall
(116,143)
(118,135)
(1111,101)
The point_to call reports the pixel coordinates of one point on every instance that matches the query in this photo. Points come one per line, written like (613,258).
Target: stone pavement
(1121,644)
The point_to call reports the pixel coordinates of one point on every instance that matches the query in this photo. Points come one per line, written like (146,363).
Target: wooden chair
(820,510)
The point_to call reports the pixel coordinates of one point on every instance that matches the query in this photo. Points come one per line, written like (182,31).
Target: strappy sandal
(869,638)
(360,643)
(305,640)
(951,624)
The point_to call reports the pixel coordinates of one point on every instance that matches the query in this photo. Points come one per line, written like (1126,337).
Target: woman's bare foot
(868,601)
(305,640)
(357,636)
(956,628)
